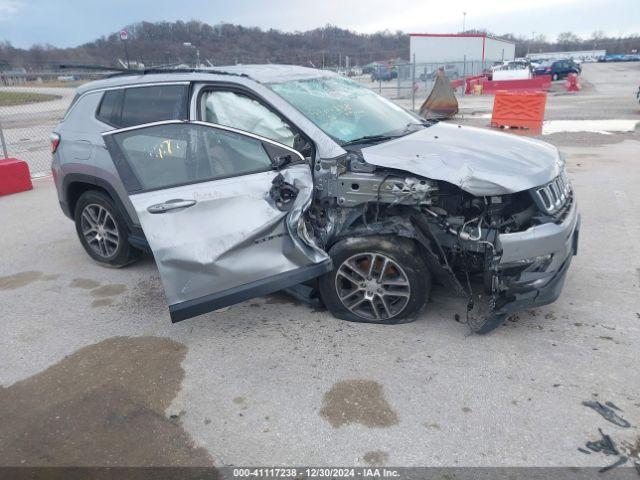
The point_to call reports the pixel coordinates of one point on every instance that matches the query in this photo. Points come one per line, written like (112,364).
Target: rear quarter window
(139,105)
(108,111)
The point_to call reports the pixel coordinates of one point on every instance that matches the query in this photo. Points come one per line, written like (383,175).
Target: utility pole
(464,18)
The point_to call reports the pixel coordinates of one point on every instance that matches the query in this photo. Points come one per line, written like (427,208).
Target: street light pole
(464,17)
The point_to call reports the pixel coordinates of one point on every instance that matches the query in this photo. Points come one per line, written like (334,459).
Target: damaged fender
(480,162)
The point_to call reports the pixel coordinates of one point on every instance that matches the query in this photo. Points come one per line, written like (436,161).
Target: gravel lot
(94,373)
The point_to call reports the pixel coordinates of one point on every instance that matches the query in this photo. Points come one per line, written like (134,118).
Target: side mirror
(280,156)
(280,161)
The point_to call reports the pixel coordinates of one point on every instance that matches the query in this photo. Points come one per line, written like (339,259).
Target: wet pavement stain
(49,277)
(376,458)
(357,401)
(109,290)
(19,280)
(84,283)
(100,406)
(101,302)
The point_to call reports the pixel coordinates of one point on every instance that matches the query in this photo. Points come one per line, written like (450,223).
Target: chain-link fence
(28,114)
(410,81)
(33,100)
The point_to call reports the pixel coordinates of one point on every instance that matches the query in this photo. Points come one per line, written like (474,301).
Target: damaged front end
(533,262)
(501,252)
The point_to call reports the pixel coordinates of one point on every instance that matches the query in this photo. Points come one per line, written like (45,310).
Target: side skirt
(198,306)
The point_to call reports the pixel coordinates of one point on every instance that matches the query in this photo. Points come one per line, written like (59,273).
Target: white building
(449,48)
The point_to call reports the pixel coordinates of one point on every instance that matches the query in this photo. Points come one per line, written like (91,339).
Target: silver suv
(252,179)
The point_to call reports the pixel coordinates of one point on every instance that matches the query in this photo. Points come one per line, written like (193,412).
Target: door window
(240,111)
(163,156)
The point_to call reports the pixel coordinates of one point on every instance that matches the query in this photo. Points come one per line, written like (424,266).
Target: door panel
(216,241)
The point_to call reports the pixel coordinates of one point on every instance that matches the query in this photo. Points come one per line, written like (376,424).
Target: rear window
(135,106)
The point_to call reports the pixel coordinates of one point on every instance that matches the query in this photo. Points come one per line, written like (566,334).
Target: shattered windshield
(346,110)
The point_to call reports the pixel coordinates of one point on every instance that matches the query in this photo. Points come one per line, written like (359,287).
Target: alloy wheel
(372,286)
(100,230)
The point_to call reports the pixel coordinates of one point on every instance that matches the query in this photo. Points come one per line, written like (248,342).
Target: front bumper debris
(557,243)
(544,253)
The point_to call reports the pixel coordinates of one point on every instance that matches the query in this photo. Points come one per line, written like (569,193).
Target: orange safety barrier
(519,109)
(572,83)
(457,83)
(471,83)
(14,176)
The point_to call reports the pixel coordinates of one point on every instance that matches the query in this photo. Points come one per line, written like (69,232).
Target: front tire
(377,279)
(102,230)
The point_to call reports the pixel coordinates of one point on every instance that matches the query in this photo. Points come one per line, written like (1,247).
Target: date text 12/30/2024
(316,472)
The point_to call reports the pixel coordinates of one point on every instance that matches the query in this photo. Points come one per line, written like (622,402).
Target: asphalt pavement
(94,372)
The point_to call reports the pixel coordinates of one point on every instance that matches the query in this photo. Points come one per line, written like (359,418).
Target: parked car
(558,69)
(383,74)
(370,67)
(612,58)
(519,69)
(250,179)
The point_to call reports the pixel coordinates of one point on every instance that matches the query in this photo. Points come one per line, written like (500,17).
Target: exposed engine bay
(460,234)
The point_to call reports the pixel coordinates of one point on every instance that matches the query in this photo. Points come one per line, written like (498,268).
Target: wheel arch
(75,184)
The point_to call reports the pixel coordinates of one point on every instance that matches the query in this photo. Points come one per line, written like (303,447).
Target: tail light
(55,141)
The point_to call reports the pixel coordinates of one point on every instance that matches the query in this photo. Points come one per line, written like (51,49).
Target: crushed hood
(479,161)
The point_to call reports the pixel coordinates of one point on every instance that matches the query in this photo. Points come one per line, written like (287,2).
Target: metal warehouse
(442,47)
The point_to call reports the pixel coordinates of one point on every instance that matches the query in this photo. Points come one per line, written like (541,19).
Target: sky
(68,23)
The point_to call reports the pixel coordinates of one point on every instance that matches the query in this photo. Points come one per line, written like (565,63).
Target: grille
(555,194)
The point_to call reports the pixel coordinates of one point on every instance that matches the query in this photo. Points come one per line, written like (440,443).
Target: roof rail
(130,71)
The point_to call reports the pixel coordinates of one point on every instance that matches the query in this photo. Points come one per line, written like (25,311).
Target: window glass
(239,111)
(344,109)
(108,107)
(167,155)
(153,104)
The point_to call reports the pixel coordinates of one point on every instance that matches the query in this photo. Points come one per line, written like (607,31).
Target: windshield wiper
(369,138)
(424,123)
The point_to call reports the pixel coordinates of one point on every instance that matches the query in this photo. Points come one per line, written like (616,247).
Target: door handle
(170,205)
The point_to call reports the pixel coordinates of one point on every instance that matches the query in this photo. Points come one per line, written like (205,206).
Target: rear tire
(102,230)
(377,279)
